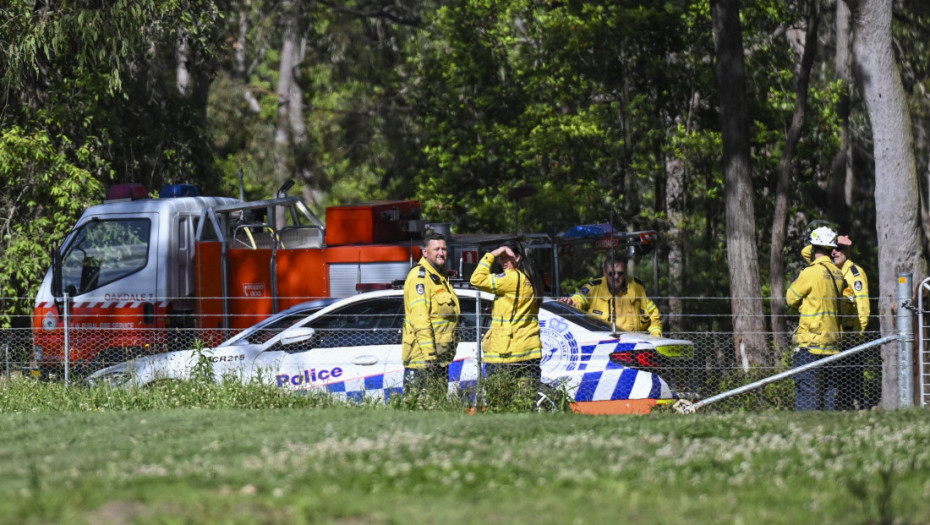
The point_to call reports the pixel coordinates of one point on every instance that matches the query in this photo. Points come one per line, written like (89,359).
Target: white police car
(352,348)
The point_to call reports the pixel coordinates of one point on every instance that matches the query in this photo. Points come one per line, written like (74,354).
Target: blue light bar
(178,190)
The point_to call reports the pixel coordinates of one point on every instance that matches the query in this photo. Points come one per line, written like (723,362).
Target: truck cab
(126,276)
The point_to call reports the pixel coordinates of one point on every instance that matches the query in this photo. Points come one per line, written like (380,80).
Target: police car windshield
(265,330)
(582,319)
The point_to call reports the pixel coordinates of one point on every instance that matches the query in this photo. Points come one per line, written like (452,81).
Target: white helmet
(824,236)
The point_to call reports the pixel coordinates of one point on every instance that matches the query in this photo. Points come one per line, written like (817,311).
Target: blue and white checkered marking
(604,380)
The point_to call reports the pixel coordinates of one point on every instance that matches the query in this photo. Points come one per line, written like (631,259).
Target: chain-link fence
(356,352)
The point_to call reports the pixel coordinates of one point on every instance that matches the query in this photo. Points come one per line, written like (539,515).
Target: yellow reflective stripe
(502,321)
(522,356)
(417,301)
(820,314)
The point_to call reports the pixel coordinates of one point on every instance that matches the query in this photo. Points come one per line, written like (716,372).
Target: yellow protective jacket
(817,295)
(631,308)
(432,313)
(514,334)
(856,291)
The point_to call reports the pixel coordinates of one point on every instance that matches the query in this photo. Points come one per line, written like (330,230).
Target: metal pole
(905,342)
(478,359)
(67,317)
(6,359)
(788,373)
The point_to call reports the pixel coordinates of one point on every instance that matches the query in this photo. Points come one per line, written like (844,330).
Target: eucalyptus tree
(745,286)
(901,246)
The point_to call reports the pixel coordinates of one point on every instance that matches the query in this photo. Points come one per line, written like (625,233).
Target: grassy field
(203,455)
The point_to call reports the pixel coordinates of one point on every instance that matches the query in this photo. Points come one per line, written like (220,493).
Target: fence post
(67,321)
(905,323)
(478,349)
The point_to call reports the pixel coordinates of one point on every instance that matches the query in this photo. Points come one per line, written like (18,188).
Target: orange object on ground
(619,406)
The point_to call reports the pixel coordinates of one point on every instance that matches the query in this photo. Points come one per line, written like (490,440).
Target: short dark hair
(433,236)
(608,261)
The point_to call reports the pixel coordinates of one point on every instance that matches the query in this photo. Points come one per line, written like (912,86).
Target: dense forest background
(614,109)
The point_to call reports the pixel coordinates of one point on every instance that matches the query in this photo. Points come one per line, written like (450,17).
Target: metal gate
(923,348)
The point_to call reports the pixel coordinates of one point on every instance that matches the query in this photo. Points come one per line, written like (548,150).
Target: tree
(745,288)
(50,190)
(900,237)
(785,169)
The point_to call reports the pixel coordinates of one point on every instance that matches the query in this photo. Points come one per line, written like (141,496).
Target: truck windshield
(103,251)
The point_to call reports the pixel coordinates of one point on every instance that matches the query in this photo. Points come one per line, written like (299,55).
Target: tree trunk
(897,211)
(291,138)
(242,70)
(745,290)
(181,58)
(780,220)
(289,98)
(841,174)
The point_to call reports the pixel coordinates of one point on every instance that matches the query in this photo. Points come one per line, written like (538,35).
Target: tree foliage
(50,190)
(453,103)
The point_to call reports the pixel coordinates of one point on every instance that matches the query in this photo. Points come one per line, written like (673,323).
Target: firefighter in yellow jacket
(817,294)
(853,323)
(616,298)
(512,345)
(431,315)
(857,284)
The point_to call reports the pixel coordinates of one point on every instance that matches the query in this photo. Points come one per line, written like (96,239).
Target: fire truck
(139,275)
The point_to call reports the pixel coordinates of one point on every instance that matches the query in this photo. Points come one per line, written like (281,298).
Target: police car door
(353,352)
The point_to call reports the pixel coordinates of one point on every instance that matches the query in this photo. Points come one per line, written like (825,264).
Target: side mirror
(296,335)
(56,273)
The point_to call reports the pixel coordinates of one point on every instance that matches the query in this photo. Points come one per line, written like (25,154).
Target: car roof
(461,292)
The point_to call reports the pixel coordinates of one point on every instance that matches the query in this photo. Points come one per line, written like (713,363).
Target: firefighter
(817,294)
(614,298)
(432,312)
(853,324)
(512,345)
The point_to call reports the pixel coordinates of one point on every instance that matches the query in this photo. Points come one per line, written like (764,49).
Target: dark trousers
(852,370)
(815,389)
(529,370)
(432,380)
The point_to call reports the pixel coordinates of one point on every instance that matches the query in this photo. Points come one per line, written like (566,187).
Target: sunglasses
(616,274)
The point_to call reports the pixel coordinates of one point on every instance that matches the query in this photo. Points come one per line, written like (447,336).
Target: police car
(351,348)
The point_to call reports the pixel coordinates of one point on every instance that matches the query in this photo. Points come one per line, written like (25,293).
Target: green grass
(200,454)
